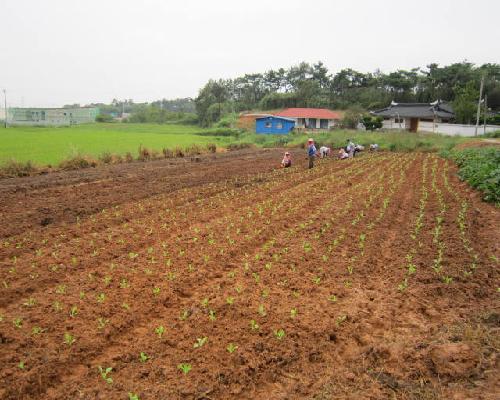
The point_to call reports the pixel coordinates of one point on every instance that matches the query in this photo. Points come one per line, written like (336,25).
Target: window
(269,124)
(279,125)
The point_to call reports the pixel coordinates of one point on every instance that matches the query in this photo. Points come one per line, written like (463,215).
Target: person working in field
(311,152)
(287,160)
(343,154)
(324,151)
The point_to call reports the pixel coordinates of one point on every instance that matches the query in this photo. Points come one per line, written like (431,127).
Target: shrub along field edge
(480,167)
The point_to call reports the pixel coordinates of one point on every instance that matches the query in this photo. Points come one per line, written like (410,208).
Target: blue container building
(274,125)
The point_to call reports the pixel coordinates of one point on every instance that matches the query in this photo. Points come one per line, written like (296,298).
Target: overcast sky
(54,52)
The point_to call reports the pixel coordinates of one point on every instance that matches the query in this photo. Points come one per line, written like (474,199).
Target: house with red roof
(311,118)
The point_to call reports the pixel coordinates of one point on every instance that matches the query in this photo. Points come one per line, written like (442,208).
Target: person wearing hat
(311,152)
(287,160)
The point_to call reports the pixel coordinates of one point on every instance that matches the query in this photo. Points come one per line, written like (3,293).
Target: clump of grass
(128,157)
(212,148)
(13,168)
(178,152)
(240,146)
(193,150)
(106,157)
(167,153)
(144,154)
(155,155)
(77,161)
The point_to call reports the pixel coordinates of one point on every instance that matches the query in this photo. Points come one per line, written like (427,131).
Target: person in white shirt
(324,151)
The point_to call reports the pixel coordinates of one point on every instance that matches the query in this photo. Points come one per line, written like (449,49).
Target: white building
(311,118)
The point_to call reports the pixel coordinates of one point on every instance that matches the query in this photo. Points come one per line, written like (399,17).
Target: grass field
(50,145)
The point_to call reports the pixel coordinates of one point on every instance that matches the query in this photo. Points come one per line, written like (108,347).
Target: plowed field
(369,278)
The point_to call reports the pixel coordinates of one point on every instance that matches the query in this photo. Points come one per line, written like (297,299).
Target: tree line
(313,85)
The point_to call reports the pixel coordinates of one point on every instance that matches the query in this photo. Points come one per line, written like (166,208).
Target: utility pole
(479,104)
(485,113)
(5,100)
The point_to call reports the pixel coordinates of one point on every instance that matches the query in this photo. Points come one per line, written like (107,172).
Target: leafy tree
(465,103)
(371,123)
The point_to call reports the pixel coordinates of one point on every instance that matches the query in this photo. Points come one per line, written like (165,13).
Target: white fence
(455,129)
(445,129)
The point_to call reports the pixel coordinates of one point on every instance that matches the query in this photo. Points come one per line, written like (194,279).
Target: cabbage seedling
(69,339)
(200,342)
(105,374)
(231,348)
(184,367)
(280,334)
(160,331)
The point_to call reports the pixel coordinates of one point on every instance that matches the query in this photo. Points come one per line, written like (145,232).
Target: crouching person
(287,160)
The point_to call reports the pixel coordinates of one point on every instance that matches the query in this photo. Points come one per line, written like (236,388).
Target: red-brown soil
(370,278)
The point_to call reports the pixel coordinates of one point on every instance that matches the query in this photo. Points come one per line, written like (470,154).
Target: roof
(417,110)
(277,117)
(320,113)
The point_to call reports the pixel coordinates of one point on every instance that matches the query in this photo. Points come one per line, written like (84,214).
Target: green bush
(480,167)
(104,118)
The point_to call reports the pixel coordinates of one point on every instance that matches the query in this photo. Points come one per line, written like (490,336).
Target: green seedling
(340,320)
(254,325)
(30,302)
(101,323)
(125,306)
(262,310)
(316,280)
(200,342)
(73,311)
(184,315)
(332,298)
(61,289)
(101,297)
(160,330)
(21,365)
(293,312)
(230,300)
(124,283)
(211,315)
(279,334)
(156,291)
(143,357)
(411,269)
(185,368)
(82,295)
(231,348)
(105,374)
(403,285)
(36,330)
(447,279)
(133,396)
(18,323)
(204,302)
(69,339)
